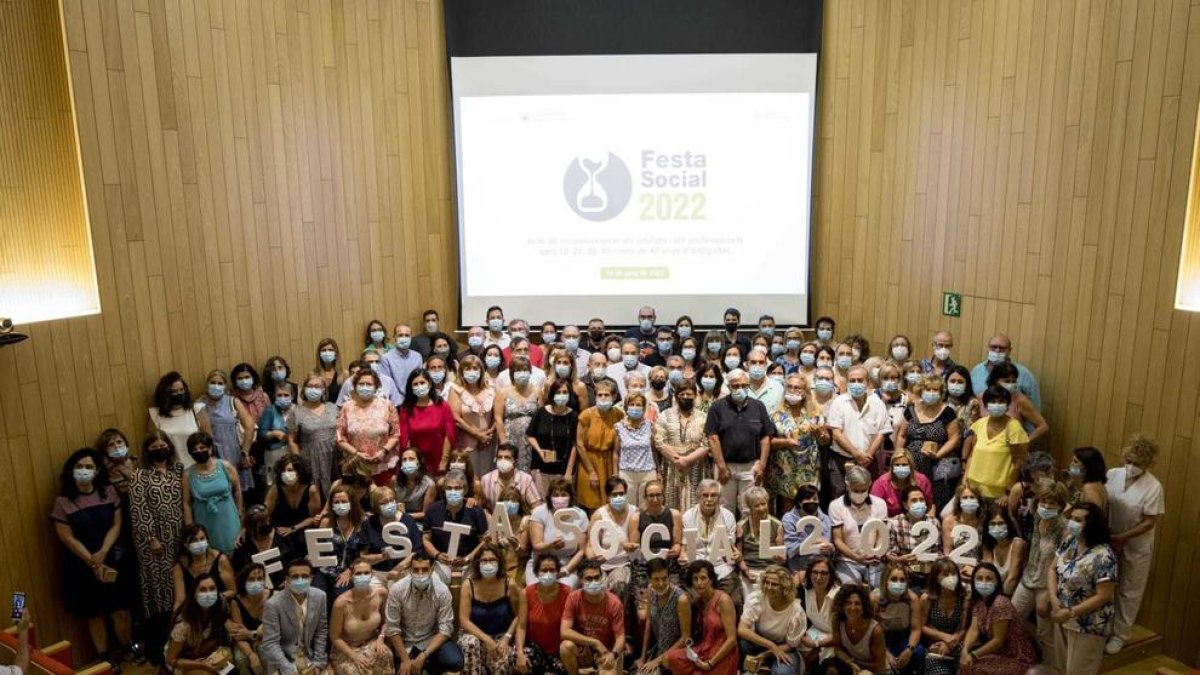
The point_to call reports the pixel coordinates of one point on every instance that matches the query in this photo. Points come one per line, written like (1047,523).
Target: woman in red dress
(426,422)
(717,651)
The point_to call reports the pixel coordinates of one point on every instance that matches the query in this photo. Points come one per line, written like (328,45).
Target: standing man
(940,364)
(762,388)
(664,346)
(423,343)
(518,328)
(595,336)
(629,362)
(739,434)
(399,363)
(571,337)
(644,331)
(296,625)
(858,424)
(495,328)
(1000,351)
(475,336)
(733,319)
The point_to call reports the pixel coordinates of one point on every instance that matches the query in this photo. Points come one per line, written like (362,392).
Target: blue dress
(214,508)
(223,417)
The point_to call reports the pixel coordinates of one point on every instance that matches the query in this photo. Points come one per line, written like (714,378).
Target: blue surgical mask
(732,362)
(119,452)
(824,334)
(593,587)
(513,508)
(630,360)
(283,402)
(902,471)
(715,347)
(896,588)
(664,346)
(823,386)
(807,359)
(216,390)
(365,391)
(912,378)
(438,376)
(491,361)
(1047,513)
(488,570)
(470,376)
(197,547)
(769,331)
(792,345)
(1074,527)
(255,587)
(362,580)
(844,362)
(889,386)
(572,344)
(985,588)
(562,370)
(994,356)
(618,502)
(685,332)
(520,378)
(404,342)
(421,581)
(549,338)
(757,373)
(328,356)
(739,395)
(776,378)
(777,349)
(410,466)
(340,509)
(646,324)
(547,579)
(377,336)
(279,374)
(454,497)
(709,383)
(84,476)
(929,397)
(313,394)
(1010,386)
(969,505)
(388,509)
(918,510)
(857,389)
(561,399)
(421,390)
(496,325)
(1075,470)
(300,585)
(245,383)
(635,412)
(998,531)
(956,388)
(207,599)
(475,341)
(997,409)
(675,376)
(604,405)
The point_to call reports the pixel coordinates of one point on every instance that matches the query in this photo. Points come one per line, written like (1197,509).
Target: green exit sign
(951,304)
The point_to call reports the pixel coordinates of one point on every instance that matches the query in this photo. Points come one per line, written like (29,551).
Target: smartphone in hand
(18,605)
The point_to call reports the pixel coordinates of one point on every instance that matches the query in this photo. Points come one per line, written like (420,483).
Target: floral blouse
(1078,576)
(368,428)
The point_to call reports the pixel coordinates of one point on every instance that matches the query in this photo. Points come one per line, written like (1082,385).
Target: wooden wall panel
(259,175)
(1035,157)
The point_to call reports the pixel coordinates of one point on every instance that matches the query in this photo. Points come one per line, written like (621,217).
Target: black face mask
(200,457)
(596,335)
(159,454)
(686,404)
(810,507)
(658,384)
(177,398)
(731,326)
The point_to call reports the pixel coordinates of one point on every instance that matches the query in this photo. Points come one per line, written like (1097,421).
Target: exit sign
(951,304)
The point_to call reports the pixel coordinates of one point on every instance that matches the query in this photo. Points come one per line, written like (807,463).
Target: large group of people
(749,498)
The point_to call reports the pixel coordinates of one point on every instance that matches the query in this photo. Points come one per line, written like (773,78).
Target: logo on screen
(597,188)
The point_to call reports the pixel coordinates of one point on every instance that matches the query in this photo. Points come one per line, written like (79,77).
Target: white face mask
(1133,471)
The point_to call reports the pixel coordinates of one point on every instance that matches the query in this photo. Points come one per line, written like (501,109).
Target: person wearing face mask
(196,558)
(773,624)
(356,627)
(1004,547)
(944,605)
(858,424)
(1037,469)
(860,348)
(682,446)
(156,515)
(704,517)
(901,475)
(817,589)
(889,388)
(514,407)
(441,373)
(472,404)
(271,441)
(843,360)
(245,617)
(997,642)
(739,437)
(593,340)
(930,432)
(1083,585)
(763,388)
(385,509)
(644,331)
(387,388)
(345,517)
(573,342)
(427,423)
(593,625)
(628,362)
(751,563)
(712,386)
(596,371)
(713,621)
(415,489)
(676,369)
(199,640)
(1020,407)
(176,414)
(261,536)
(119,465)
(808,360)
(1135,502)
(665,611)
(551,435)
(847,514)
(805,503)
(516,546)
(328,366)
(496,335)
(793,343)
(507,474)
(999,350)
(940,363)
(965,509)
(422,343)
(377,338)
(545,536)
(900,535)
(212,496)
(560,366)
(1088,475)
(911,370)
(452,508)
(1045,537)
(658,396)
(488,611)
(521,345)
(634,447)
(294,501)
(474,491)
(247,388)
(400,362)
(619,512)
(596,442)
(899,349)
(296,625)
(731,359)
(97,577)
(825,327)
(419,621)
(799,432)
(713,346)
(731,321)
(312,433)
(997,445)
(368,427)
(899,613)
(475,336)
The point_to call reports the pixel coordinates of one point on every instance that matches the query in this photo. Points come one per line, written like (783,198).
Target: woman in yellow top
(997,445)
(596,440)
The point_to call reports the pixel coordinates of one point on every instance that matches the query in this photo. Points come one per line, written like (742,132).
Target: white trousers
(1134,564)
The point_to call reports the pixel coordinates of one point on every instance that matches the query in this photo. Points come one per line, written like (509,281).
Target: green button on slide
(619,273)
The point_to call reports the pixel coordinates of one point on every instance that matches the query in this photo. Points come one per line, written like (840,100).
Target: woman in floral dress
(799,428)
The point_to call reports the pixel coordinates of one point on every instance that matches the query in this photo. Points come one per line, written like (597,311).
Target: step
(1142,644)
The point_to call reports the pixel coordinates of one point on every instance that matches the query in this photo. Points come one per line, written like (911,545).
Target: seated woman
(537,644)
(965,509)
(349,541)
(899,612)
(384,510)
(516,548)
(773,623)
(997,642)
(293,501)
(245,618)
(356,627)
(199,643)
(545,535)
(488,609)
(818,596)
(1004,548)
(714,620)
(891,486)
(617,512)
(665,611)
(944,606)
(750,563)
(857,636)
(415,490)
(196,559)
(654,511)
(261,537)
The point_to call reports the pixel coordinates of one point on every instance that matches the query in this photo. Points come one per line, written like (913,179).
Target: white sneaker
(1114,645)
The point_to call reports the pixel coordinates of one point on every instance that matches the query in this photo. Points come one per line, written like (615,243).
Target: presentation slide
(574,204)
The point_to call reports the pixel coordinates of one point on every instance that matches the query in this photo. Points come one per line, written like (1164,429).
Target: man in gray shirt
(420,620)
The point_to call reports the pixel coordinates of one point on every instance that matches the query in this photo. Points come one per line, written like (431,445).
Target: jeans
(447,659)
(795,668)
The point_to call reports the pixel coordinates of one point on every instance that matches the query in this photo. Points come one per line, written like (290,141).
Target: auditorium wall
(262,174)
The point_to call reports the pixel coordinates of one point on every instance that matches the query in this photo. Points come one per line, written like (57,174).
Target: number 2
(959,554)
(929,532)
(812,543)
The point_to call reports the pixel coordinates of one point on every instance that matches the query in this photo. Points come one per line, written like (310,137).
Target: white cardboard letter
(457,532)
(566,522)
(270,560)
(605,539)
(766,550)
(395,535)
(501,526)
(320,541)
(653,530)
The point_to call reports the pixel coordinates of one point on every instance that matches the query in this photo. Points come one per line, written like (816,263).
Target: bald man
(999,350)
(940,363)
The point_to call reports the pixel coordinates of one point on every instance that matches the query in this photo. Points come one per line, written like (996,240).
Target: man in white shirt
(704,518)
(629,362)
(848,514)
(495,328)
(858,423)
(763,388)
(571,340)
